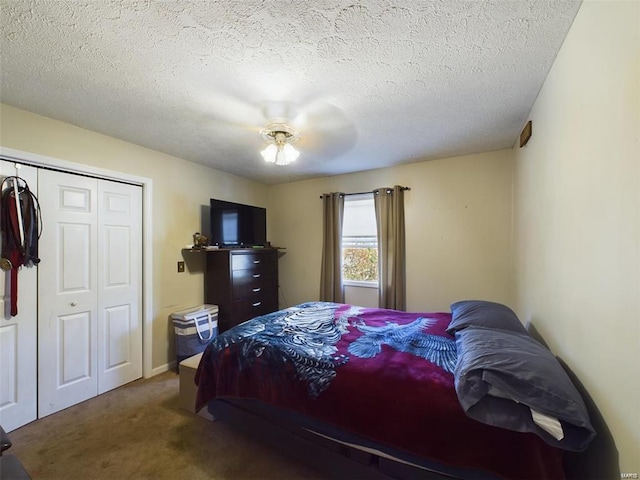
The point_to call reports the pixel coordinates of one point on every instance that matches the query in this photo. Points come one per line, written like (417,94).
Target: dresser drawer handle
(257,304)
(256,290)
(256,275)
(256,261)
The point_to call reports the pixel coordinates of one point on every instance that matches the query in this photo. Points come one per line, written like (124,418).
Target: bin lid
(194,312)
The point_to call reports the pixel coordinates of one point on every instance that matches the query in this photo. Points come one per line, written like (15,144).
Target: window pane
(360,264)
(359,239)
(359,217)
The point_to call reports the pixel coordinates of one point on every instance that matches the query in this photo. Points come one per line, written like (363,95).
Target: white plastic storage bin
(194,327)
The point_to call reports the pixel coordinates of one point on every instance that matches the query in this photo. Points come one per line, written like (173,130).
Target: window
(359,241)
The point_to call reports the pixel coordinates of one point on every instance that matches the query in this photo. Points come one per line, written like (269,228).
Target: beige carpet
(139,432)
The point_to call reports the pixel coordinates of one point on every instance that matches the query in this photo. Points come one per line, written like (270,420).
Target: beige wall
(458,228)
(180,190)
(577,209)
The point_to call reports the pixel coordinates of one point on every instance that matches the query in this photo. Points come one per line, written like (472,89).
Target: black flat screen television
(237,225)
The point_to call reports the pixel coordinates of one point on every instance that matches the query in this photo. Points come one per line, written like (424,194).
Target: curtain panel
(331,287)
(389,206)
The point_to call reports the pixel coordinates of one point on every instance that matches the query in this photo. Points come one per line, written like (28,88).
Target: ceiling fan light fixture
(269,154)
(280,137)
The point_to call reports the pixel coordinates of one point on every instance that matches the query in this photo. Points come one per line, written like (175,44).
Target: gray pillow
(528,376)
(480,313)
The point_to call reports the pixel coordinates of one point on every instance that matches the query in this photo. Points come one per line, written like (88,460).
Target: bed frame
(337,459)
(600,460)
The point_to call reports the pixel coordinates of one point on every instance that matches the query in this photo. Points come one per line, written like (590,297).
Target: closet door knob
(73,304)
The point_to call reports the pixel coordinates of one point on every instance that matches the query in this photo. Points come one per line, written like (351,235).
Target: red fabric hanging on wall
(18,251)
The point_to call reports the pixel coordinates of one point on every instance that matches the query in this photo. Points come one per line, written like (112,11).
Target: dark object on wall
(237,225)
(525,135)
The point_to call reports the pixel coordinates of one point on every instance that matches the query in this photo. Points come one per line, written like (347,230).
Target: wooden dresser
(242,282)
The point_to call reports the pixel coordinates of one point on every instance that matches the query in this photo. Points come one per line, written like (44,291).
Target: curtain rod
(362,193)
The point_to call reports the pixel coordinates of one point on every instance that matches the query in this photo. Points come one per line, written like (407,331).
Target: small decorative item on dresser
(199,240)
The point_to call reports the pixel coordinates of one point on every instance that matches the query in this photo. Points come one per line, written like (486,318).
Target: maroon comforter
(382,374)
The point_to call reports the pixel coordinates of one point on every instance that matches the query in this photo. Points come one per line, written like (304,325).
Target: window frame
(358,283)
(361,283)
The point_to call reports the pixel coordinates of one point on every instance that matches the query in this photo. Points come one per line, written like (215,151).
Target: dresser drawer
(252,260)
(255,276)
(255,290)
(247,309)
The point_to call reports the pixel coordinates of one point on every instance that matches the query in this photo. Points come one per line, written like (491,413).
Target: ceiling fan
(317,130)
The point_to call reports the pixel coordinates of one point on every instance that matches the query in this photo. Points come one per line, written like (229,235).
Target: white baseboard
(162,368)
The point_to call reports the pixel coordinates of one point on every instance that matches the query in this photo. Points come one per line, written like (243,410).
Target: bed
(400,394)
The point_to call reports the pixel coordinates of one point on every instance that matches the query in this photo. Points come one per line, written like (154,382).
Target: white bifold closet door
(89,288)
(18,335)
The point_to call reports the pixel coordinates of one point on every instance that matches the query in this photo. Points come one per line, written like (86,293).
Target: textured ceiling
(367,84)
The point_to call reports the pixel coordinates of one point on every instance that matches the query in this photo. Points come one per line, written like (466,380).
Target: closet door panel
(18,335)
(8,354)
(117,328)
(73,346)
(119,284)
(74,258)
(68,291)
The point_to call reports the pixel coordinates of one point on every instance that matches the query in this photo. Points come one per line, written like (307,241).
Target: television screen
(237,225)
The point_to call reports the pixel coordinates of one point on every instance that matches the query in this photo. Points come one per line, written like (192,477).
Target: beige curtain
(389,205)
(331,288)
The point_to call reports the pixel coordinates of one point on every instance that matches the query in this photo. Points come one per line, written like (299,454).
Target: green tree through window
(359,239)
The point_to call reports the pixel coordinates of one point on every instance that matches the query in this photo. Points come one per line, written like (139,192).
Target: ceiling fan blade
(324,130)
(279,112)
(229,110)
